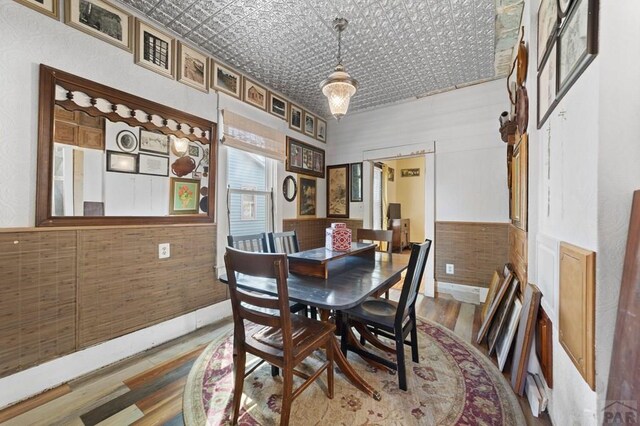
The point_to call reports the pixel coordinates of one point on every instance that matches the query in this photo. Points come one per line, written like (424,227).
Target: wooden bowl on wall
(183,166)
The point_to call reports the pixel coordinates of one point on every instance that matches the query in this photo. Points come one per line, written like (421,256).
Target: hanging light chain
(340,46)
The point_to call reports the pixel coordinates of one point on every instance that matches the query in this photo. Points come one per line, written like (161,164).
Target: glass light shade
(339,88)
(179,146)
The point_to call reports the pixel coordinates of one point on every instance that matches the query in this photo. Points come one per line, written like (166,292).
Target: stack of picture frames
(567,43)
(162,53)
(506,312)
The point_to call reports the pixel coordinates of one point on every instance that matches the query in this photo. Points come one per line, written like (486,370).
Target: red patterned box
(338,238)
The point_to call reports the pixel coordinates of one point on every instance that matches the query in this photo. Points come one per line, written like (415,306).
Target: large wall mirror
(106,157)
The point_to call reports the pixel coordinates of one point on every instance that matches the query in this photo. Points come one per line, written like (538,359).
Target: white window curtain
(251,136)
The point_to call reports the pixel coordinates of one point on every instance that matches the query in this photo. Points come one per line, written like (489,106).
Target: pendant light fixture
(339,87)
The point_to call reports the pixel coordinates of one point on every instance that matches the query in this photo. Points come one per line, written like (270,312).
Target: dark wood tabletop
(352,280)
(322,255)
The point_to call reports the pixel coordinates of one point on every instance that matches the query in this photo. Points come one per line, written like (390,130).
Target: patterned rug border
(193,409)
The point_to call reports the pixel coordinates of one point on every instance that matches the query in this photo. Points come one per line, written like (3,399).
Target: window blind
(251,136)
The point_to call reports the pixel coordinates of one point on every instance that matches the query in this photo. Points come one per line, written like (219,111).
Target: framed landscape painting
(226,80)
(307,201)
(100,19)
(254,94)
(193,67)
(304,158)
(338,191)
(278,106)
(154,142)
(184,196)
(154,50)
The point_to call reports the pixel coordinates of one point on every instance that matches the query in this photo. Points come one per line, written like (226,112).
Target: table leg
(343,364)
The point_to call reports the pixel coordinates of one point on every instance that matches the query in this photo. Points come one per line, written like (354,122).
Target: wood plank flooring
(147,389)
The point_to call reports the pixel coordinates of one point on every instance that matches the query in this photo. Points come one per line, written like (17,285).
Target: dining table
(350,281)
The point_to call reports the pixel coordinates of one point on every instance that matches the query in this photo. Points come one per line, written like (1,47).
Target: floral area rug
(453,384)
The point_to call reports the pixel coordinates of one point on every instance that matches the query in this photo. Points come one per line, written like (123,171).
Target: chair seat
(305,333)
(380,312)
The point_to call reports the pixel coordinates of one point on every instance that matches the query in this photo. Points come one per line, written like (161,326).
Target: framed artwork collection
(338,191)
(307,198)
(304,158)
(154,50)
(567,44)
(101,19)
(193,68)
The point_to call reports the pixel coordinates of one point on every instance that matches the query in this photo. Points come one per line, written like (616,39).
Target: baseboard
(27,383)
(462,292)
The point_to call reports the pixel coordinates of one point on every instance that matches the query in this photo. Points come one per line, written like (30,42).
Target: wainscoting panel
(475,249)
(123,286)
(37,298)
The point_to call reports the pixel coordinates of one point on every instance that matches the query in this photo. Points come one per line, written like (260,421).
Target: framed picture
(184,196)
(309,125)
(194,150)
(547,86)
(295,117)
(338,191)
(519,183)
(47,7)
(505,338)
(304,158)
(321,134)
(154,165)
(307,201)
(101,19)
(122,162)
(577,43)
(254,94)
(226,80)
(356,182)
(493,308)
(193,68)
(154,142)
(501,315)
(278,106)
(547,25)
(563,7)
(409,172)
(126,141)
(391,174)
(154,50)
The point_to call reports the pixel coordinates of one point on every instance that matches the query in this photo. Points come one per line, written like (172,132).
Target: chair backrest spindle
(256,243)
(284,242)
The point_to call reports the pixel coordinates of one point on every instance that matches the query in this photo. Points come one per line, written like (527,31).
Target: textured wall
(475,249)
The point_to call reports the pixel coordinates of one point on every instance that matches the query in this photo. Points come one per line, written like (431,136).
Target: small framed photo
(321,133)
(46,7)
(154,165)
(194,151)
(226,80)
(154,50)
(193,68)
(184,197)
(154,142)
(126,141)
(295,117)
(409,172)
(278,106)
(547,25)
(356,182)
(391,175)
(122,162)
(309,125)
(254,94)
(307,199)
(101,19)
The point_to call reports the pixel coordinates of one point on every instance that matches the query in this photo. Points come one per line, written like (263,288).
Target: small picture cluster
(162,53)
(305,159)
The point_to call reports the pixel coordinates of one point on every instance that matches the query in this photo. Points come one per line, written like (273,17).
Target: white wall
(470,159)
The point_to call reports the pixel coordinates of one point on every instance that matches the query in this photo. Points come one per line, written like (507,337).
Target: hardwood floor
(147,389)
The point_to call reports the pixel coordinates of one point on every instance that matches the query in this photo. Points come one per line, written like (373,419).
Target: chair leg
(274,371)
(287,394)
(402,374)
(314,312)
(329,351)
(414,339)
(239,367)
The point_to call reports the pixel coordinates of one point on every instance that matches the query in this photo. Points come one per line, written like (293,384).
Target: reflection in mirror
(289,188)
(102,168)
(107,157)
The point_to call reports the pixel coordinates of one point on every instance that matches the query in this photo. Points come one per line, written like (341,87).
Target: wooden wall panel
(123,286)
(476,249)
(518,254)
(37,298)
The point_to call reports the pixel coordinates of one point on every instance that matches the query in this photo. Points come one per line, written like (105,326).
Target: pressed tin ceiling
(396,49)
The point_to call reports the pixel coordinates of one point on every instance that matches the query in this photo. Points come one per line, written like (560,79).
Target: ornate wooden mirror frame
(125,108)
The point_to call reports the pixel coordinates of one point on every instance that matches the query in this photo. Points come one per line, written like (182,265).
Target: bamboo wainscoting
(65,289)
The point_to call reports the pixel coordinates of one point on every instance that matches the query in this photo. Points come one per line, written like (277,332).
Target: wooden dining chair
(393,320)
(282,340)
(256,243)
(377,236)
